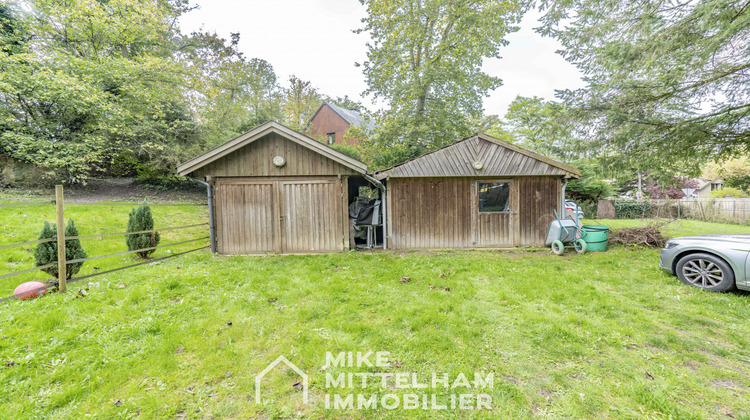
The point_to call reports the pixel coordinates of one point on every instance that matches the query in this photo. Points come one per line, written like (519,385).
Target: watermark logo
(284,360)
(440,392)
(351,388)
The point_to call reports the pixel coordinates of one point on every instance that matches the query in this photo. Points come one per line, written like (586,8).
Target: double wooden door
(279,215)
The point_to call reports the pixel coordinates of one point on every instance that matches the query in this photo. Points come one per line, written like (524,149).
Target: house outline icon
(298,371)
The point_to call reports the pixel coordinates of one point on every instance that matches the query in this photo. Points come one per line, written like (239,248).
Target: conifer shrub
(140,219)
(46,252)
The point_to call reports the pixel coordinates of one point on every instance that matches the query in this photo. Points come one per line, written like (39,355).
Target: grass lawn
(601,335)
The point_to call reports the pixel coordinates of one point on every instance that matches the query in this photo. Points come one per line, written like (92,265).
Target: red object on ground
(30,290)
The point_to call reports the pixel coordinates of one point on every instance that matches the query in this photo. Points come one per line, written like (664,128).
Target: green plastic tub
(596,237)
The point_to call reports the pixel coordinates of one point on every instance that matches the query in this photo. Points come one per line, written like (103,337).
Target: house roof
(480,155)
(261,131)
(352,116)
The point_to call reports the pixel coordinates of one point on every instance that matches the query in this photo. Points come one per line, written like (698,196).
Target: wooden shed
(479,192)
(276,190)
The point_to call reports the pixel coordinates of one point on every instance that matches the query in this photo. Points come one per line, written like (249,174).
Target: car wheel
(705,271)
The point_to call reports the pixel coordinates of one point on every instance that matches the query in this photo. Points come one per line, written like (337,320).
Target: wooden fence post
(61,262)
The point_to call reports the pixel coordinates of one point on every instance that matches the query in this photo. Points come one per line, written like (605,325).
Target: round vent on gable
(478,165)
(279,161)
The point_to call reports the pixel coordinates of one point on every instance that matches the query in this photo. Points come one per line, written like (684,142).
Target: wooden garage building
(276,190)
(480,192)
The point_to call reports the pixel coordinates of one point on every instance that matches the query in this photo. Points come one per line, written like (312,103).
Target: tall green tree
(425,62)
(667,80)
(301,100)
(94,79)
(229,92)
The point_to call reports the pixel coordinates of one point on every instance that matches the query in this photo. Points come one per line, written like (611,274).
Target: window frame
(331,138)
(495,181)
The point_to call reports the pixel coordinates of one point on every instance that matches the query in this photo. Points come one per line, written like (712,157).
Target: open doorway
(365,214)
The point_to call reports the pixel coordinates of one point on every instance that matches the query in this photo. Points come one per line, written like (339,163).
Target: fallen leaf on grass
(118,402)
(298,385)
(229,324)
(649,376)
(272,300)
(10,363)
(324,367)
(405,279)
(179,350)
(399,364)
(122,286)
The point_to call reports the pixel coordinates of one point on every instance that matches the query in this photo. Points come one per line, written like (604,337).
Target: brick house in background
(330,122)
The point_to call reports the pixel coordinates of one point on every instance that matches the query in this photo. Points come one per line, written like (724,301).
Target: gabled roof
(351,116)
(493,157)
(259,132)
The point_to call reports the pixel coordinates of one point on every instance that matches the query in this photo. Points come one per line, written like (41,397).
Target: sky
(313,40)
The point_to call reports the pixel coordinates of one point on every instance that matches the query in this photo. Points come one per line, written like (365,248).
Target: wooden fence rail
(62,261)
(727,210)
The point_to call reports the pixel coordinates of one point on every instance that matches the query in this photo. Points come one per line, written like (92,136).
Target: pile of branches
(649,236)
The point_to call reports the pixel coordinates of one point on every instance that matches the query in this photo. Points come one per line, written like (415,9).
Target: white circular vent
(279,161)
(478,165)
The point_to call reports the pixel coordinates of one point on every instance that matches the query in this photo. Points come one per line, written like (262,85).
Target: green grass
(601,335)
(673,228)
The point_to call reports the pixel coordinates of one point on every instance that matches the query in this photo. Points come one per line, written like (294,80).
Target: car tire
(705,271)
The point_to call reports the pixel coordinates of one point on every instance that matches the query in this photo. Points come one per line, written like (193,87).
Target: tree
(670,188)
(589,188)
(46,252)
(230,93)
(734,172)
(425,63)
(95,78)
(140,220)
(728,192)
(667,81)
(544,127)
(301,100)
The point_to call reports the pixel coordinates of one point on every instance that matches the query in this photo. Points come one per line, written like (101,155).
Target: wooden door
(311,216)
(496,213)
(245,217)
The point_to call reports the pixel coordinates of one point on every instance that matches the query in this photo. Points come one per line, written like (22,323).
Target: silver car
(718,263)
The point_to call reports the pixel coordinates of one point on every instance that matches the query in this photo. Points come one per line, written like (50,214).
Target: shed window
(331,138)
(494,196)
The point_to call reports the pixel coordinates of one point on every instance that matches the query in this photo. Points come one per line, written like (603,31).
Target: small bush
(631,209)
(140,219)
(728,191)
(46,253)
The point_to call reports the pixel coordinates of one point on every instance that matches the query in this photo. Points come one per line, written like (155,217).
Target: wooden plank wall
(284,215)
(430,213)
(537,197)
(311,212)
(245,214)
(433,213)
(256,159)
